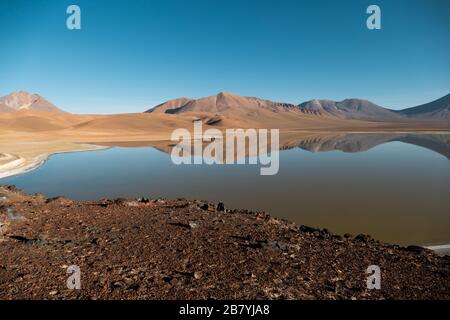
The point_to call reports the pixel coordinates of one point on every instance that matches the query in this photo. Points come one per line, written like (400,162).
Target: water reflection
(358,142)
(322,142)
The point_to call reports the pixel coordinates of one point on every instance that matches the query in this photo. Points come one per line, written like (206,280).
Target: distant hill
(356,109)
(351,109)
(22,100)
(219,103)
(436,110)
(232,110)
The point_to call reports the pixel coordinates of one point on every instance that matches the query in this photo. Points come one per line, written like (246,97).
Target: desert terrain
(195,250)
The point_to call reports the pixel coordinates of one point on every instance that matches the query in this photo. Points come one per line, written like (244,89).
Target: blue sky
(131,55)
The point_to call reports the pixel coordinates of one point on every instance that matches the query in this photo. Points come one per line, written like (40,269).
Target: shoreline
(20,169)
(39,160)
(190,249)
(440,249)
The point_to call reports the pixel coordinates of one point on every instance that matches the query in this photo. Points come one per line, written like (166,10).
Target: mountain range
(359,109)
(214,109)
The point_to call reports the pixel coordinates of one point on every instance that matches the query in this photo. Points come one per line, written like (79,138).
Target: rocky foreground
(182,249)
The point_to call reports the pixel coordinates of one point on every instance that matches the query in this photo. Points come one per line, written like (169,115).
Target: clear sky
(131,55)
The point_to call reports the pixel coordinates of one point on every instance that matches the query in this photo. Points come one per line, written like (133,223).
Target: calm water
(396,191)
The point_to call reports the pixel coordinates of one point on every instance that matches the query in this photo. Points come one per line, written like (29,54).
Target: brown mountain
(354,109)
(436,110)
(351,109)
(232,110)
(222,102)
(22,100)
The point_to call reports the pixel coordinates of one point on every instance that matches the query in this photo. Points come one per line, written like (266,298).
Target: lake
(395,187)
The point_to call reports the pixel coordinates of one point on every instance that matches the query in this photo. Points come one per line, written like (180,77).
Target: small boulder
(132,204)
(415,249)
(307,229)
(60,200)
(193,225)
(13,214)
(363,237)
(220,207)
(143,200)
